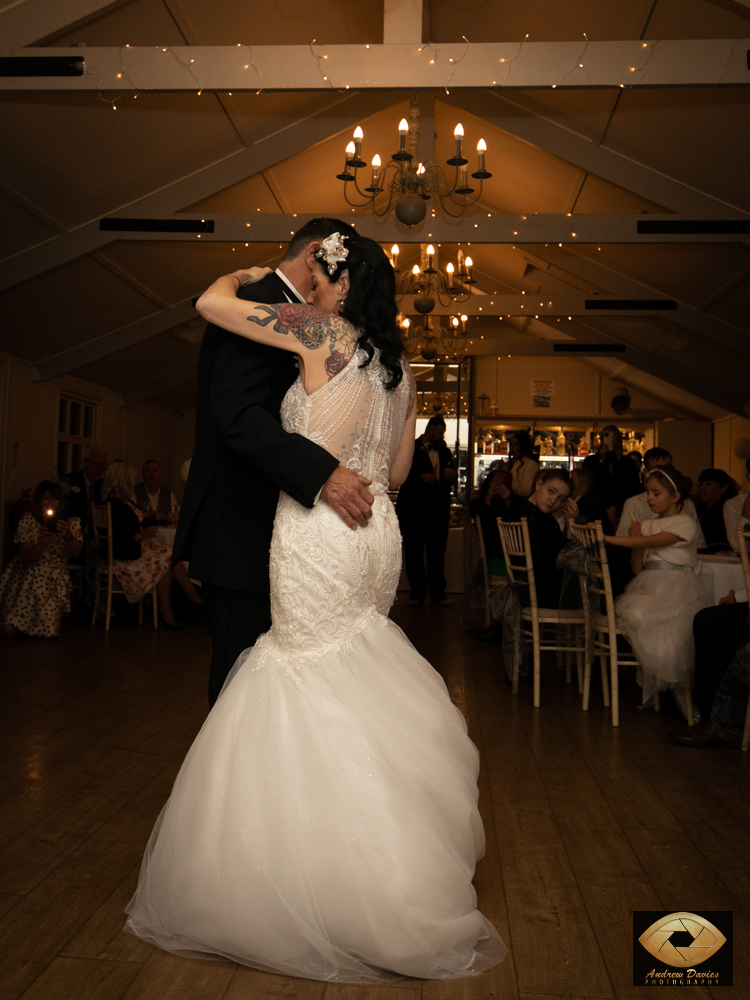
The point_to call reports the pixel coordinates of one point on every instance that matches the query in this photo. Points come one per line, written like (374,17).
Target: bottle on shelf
(480,442)
(583,446)
(561,442)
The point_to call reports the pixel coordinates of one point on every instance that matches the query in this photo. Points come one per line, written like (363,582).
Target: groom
(243,457)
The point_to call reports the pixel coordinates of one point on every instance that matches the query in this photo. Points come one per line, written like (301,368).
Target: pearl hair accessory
(333,251)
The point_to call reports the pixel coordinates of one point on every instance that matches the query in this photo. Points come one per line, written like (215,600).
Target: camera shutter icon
(707,939)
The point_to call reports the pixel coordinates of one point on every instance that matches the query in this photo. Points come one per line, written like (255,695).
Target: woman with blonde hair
(140,562)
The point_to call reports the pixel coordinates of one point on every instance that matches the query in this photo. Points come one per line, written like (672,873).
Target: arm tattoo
(311,326)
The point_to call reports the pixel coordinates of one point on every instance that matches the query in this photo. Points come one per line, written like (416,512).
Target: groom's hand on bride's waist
(346,491)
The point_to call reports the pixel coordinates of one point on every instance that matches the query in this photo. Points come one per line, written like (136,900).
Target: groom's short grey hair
(315,231)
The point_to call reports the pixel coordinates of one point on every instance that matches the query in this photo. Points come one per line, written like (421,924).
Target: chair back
(514,536)
(744,540)
(101,520)
(591,537)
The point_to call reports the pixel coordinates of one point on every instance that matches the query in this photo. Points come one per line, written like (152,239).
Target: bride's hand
(251,275)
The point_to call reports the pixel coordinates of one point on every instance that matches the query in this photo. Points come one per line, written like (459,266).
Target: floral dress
(138,576)
(34,597)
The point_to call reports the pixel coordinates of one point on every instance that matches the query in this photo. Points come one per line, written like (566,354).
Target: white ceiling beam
(288,141)
(115,340)
(546,134)
(472,228)
(28,21)
(619,284)
(169,380)
(563,65)
(402,21)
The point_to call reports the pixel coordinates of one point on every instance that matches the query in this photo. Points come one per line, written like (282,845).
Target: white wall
(732,435)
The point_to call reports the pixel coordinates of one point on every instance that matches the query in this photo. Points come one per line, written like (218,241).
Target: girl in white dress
(325,823)
(657,608)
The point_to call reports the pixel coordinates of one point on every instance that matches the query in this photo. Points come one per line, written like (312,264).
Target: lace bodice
(353,416)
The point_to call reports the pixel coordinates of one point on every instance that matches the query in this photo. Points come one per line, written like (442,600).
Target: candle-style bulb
(376,160)
(469,262)
(458,130)
(394,250)
(420,169)
(415,270)
(358,133)
(449,268)
(481,152)
(454,321)
(406,324)
(358,136)
(403,126)
(350,149)
(430,250)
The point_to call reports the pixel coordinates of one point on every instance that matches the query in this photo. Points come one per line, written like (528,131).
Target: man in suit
(243,457)
(150,493)
(423,508)
(85,485)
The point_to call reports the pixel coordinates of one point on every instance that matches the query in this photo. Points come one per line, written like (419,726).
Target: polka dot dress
(33,598)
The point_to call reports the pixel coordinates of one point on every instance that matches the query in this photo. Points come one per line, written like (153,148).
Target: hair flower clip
(332,251)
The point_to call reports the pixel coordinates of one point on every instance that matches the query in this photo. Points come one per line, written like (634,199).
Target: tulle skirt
(325,822)
(656,613)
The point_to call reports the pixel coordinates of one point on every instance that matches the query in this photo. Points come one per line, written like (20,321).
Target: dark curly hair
(370,304)
(56,493)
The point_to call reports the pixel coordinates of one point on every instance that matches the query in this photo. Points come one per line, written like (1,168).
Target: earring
(341,304)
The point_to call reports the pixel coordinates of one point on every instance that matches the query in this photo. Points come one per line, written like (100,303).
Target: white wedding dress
(324,823)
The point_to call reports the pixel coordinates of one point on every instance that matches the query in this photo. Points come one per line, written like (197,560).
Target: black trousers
(718,633)
(425,534)
(235,620)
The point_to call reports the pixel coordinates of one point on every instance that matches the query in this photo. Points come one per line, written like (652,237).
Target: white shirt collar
(287,282)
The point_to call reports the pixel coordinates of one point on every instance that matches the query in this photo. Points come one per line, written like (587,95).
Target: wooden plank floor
(584,823)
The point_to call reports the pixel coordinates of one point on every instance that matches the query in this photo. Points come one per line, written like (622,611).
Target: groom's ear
(310,250)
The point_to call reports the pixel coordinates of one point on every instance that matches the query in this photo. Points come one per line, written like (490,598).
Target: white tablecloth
(722,573)
(454,564)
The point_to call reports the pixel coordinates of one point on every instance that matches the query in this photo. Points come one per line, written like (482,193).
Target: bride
(324,823)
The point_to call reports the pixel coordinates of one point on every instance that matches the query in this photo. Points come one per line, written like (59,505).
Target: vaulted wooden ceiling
(115,309)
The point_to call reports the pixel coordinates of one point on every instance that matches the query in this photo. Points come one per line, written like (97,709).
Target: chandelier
(428,339)
(424,283)
(412,187)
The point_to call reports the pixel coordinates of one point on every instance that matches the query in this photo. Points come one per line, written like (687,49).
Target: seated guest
(488,506)
(635,456)
(616,475)
(736,512)
(523,466)
(35,587)
(84,485)
(150,494)
(718,633)
(590,505)
(140,562)
(715,487)
(551,494)
(637,506)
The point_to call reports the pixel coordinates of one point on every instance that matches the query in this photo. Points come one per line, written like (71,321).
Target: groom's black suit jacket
(243,456)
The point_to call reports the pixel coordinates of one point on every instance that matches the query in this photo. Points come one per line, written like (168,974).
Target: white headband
(666,476)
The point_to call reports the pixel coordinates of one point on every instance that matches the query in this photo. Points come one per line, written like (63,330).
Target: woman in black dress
(616,475)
